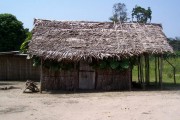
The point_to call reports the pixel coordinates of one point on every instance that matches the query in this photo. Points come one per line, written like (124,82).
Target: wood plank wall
(18,68)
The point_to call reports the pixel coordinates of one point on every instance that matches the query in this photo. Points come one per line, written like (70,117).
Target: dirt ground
(134,105)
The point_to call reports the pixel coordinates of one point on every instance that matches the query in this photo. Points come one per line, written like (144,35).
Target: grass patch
(167,71)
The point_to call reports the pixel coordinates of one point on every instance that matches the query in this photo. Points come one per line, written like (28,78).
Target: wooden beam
(138,67)
(130,78)
(174,72)
(155,69)
(147,77)
(141,72)
(41,76)
(96,77)
(160,71)
(148,69)
(78,74)
(158,65)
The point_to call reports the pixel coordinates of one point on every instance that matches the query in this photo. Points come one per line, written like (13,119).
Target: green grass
(167,71)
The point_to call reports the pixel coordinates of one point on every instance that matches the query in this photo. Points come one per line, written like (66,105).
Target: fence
(15,66)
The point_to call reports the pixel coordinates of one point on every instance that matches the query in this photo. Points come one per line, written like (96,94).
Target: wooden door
(86,77)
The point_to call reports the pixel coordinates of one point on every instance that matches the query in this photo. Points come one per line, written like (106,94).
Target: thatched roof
(77,40)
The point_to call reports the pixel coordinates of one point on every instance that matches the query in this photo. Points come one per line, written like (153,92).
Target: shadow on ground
(6,83)
(151,87)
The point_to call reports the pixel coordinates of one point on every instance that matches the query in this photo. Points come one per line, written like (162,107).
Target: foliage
(176,54)
(111,64)
(115,64)
(119,13)
(175,43)
(142,15)
(12,33)
(36,61)
(53,65)
(24,45)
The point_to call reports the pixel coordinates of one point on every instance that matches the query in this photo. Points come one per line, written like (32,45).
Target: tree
(12,33)
(24,46)
(142,15)
(119,13)
(175,43)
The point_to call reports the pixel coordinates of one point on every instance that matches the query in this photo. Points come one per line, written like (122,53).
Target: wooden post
(160,70)
(158,64)
(147,77)
(148,70)
(145,62)
(96,77)
(141,72)
(155,70)
(139,79)
(130,78)
(41,76)
(174,71)
(78,74)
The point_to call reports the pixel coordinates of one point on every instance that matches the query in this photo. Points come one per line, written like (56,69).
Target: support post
(148,70)
(41,76)
(155,69)
(160,70)
(147,77)
(139,78)
(141,72)
(130,78)
(174,71)
(158,65)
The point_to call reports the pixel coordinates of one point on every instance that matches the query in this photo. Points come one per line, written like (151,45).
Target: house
(80,43)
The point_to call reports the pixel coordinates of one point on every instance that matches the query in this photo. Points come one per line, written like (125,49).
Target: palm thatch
(76,40)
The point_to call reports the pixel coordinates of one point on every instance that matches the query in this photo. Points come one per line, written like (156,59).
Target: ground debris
(31,86)
(9,87)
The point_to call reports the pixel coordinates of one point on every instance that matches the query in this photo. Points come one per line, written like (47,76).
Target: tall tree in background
(141,15)
(175,43)
(12,33)
(119,13)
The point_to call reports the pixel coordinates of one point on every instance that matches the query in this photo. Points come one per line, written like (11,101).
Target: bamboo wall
(17,67)
(69,80)
(113,80)
(60,80)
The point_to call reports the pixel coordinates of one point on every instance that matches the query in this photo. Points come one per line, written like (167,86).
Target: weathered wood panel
(59,80)
(86,80)
(17,67)
(112,80)
(86,76)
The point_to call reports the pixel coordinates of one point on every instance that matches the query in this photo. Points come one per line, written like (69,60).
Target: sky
(166,12)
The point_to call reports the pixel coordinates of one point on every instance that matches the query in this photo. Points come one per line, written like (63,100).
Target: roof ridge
(84,21)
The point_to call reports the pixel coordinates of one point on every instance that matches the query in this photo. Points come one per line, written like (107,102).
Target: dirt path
(147,105)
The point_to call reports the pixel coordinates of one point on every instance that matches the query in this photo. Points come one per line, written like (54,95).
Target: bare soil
(134,105)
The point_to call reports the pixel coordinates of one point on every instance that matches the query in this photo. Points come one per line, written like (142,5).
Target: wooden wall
(17,67)
(84,78)
(112,80)
(60,80)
